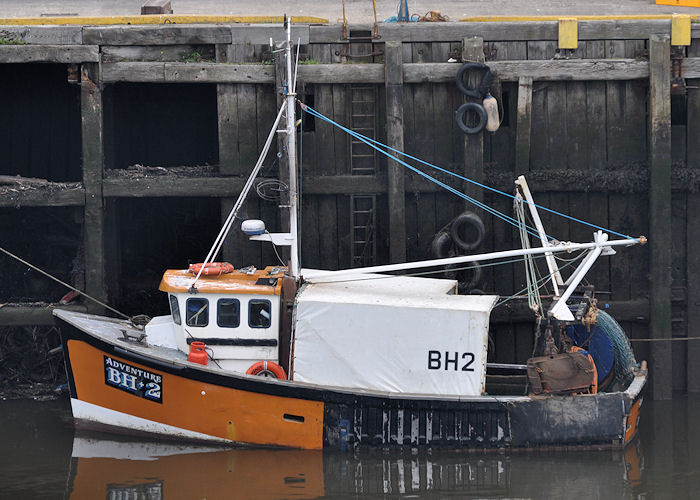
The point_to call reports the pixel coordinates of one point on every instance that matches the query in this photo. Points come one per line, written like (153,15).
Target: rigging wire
(274,247)
(213,252)
(368,141)
(542,282)
(64,284)
(484,186)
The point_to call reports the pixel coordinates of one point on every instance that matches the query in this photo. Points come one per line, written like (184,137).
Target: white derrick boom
(551,263)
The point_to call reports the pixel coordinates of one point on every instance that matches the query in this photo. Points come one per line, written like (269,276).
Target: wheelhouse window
(175,309)
(197,312)
(259,315)
(228,313)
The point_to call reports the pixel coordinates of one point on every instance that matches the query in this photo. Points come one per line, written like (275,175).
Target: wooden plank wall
(593,131)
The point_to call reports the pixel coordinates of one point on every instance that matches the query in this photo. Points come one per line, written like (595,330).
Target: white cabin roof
(393,291)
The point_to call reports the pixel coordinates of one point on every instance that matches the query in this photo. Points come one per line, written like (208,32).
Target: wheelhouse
(237,314)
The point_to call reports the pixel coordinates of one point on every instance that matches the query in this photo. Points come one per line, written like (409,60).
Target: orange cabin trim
(180,281)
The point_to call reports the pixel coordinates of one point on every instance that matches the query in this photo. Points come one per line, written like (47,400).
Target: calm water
(42,456)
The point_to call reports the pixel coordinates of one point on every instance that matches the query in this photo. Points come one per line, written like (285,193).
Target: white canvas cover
(399,335)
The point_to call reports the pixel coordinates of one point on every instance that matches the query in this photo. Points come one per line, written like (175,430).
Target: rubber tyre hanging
(468,279)
(484,84)
(441,245)
(467,223)
(461,117)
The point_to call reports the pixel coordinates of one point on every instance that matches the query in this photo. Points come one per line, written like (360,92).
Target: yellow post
(679,3)
(680,29)
(568,33)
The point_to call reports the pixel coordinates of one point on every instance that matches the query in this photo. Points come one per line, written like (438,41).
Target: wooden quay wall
(595,129)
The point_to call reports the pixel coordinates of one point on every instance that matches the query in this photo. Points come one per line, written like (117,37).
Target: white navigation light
(253,227)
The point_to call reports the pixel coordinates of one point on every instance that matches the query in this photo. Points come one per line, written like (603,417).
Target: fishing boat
(291,357)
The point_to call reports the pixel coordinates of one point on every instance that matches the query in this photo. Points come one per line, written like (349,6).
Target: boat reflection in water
(117,469)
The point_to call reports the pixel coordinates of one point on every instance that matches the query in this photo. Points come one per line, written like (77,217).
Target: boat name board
(136,381)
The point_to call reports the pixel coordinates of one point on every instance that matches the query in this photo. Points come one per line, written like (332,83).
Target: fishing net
(624,356)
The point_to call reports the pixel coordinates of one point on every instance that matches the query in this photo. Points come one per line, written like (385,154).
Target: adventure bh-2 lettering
(128,378)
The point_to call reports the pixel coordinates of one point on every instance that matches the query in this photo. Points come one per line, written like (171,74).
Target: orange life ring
(212,268)
(267,369)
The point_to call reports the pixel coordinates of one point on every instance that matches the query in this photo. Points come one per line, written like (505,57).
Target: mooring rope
(64,283)
(454,174)
(673,339)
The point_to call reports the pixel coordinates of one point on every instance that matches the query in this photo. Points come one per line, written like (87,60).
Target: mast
(291,153)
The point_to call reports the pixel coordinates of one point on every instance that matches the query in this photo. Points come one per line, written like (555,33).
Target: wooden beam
(154,53)
(690,67)
(499,31)
(341,73)
(660,212)
(49,53)
(553,69)
(473,50)
(44,35)
(156,35)
(260,34)
(623,180)
(692,268)
(159,72)
(52,195)
(393,70)
(33,314)
(693,289)
(165,186)
(93,168)
(523,126)
(227,112)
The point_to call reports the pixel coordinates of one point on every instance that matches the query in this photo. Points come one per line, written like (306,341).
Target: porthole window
(175,309)
(197,312)
(259,315)
(228,313)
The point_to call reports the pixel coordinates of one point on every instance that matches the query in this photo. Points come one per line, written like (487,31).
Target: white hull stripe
(99,414)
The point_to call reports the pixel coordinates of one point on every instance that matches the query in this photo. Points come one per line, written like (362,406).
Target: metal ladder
(362,216)
(363,119)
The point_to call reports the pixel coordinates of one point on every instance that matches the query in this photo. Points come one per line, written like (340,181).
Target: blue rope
(510,220)
(484,186)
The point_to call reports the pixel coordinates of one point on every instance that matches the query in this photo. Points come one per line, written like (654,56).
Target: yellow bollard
(568,33)
(680,29)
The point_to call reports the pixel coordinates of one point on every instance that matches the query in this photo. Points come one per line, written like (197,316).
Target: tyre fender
(461,117)
(484,84)
(441,245)
(465,221)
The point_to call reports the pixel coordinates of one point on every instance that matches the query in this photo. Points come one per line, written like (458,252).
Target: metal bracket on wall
(346,53)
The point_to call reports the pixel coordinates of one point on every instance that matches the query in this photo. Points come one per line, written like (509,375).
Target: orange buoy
(211,268)
(267,369)
(198,354)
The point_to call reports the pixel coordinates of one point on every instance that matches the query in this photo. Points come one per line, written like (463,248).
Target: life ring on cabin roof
(267,369)
(212,268)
